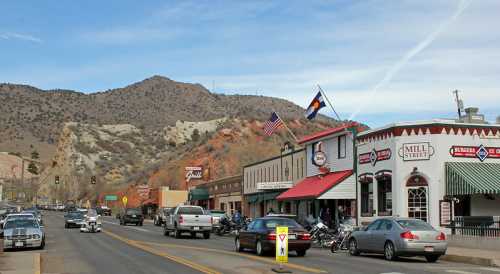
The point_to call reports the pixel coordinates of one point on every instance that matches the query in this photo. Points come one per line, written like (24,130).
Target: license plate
(292,236)
(19,244)
(134,216)
(196,228)
(429,249)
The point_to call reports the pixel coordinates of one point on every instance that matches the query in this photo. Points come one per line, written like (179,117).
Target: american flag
(272,124)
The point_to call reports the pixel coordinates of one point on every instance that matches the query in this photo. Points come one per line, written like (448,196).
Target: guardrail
(481,226)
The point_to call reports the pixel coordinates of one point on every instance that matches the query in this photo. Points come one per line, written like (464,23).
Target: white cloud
(20,36)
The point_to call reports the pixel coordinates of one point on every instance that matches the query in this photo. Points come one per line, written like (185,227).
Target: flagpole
(330,103)
(291,133)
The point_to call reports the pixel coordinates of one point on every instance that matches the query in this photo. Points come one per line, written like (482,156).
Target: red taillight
(441,237)
(305,236)
(271,237)
(409,236)
(181,220)
(212,220)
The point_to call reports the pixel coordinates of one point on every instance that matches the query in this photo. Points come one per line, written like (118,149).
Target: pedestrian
(237,217)
(327,217)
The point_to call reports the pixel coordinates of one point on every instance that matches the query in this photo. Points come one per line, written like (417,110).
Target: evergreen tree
(35,155)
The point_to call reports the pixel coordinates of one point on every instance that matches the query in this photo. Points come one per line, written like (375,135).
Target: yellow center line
(252,257)
(138,244)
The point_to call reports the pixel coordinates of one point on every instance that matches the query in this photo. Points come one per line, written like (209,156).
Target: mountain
(32,118)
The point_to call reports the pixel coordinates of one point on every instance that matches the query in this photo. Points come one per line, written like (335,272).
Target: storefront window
(384,189)
(367,199)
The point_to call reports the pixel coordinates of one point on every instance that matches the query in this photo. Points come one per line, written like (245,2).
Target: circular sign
(319,158)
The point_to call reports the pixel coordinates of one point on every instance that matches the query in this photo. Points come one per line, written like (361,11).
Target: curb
(470,260)
(37,263)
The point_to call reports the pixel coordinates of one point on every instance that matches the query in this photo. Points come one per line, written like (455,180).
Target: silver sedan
(23,232)
(395,237)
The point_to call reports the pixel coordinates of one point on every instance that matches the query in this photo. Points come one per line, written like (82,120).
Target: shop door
(417,203)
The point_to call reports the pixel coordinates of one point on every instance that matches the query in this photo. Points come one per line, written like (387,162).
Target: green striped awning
(472,178)
(260,197)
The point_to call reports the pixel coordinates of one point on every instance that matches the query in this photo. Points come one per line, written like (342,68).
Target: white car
(21,232)
(91,222)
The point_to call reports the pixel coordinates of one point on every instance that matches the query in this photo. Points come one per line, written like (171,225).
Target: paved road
(132,249)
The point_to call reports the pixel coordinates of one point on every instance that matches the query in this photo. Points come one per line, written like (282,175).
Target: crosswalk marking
(460,271)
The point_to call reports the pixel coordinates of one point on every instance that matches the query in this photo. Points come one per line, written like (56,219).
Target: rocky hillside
(30,116)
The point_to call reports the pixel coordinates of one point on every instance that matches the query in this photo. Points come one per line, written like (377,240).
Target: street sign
(282,244)
(110,198)
(124,201)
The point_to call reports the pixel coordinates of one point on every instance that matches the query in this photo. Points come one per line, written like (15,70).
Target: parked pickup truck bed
(191,219)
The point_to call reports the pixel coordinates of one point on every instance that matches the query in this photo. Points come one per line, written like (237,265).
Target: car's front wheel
(353,247)
(206,235)
(432,258)
(389,252)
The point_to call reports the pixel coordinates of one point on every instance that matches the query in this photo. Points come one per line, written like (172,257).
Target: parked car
(260,235)
(73,219)
(132,216)
(395,237)
(216,217)
(103,211)
(192,219)
(160,216)
(23,232)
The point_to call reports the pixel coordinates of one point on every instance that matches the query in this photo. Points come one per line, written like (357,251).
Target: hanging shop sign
(481,152)
(143,191)
(319,157)
(274,185)
(194,172)
(416,151)
(375,156)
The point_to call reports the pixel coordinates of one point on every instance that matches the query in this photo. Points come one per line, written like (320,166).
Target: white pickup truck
(186,218)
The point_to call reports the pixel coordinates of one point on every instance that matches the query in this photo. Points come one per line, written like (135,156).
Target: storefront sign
(375,156)
(195,172)
(481,152)
(274,185)
(143,191)
(416,151)
(444,213)
(319,158)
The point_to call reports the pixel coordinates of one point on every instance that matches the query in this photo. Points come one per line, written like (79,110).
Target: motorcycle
(91,222)
(321,235)
(342,236)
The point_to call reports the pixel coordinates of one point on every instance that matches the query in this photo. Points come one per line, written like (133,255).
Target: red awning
(153,201)
(313,187)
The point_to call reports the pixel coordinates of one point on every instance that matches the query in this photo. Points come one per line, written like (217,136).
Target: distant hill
(34,117)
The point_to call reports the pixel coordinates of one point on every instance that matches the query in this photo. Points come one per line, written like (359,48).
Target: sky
(378,62)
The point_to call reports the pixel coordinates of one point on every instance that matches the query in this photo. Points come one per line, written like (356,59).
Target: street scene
(249,137)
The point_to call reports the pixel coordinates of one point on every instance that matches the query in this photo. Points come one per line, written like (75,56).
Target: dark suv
(132,216)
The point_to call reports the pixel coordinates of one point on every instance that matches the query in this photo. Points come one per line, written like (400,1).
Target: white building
(430,170)
(330,181)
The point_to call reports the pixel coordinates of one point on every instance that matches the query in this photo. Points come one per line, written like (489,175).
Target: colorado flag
(316,104)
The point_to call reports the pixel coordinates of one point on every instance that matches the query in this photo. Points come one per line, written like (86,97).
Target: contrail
(410,54)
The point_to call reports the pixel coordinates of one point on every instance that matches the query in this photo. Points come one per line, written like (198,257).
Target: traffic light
(57,179)
(93,180)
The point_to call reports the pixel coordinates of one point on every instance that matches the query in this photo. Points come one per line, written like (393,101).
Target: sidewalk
(472,256)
